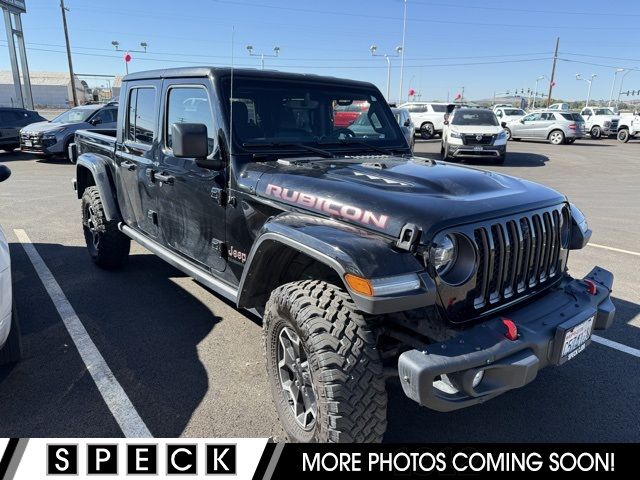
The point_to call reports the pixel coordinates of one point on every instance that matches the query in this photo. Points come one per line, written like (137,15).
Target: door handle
(128,165)
(168,179)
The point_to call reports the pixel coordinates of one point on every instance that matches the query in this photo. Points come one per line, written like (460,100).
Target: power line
(597,64)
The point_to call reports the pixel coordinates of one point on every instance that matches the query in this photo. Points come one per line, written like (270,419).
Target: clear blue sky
(510,42)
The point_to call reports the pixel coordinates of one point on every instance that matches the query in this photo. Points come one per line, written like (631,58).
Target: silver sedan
(555,126)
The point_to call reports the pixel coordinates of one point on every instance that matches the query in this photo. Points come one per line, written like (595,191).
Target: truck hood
(42,127)
(385,193)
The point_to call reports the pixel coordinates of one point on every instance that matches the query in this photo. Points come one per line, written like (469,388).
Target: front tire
(596,132)
(108,246)
(324,368)
(623,135)
(11,352)
(508,132)
(427,130)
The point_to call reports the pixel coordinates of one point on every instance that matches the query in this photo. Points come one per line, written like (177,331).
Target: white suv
(10,346)
(428,117)
(473,133)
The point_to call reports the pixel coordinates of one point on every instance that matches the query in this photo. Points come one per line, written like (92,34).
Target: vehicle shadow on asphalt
(146,326)
(18,156)
(584,400)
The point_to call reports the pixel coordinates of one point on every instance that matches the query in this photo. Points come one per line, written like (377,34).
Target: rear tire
(11,352)
(427,130)
(623,135)
(325,371)
(556,137)
(596,132)
(108,246)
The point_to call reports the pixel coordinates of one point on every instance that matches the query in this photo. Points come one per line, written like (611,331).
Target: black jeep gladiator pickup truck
(365,262)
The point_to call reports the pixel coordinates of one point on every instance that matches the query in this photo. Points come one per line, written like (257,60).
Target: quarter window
(189,105)
(141,115)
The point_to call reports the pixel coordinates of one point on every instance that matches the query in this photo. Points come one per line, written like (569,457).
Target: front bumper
(40,145)
(471,151)
(507,364)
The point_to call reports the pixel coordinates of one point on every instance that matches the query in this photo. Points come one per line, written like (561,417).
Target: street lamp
(127,56)
(615,74)
(374,49)
(276,51)
(590,81)
(622,83)
(535,94)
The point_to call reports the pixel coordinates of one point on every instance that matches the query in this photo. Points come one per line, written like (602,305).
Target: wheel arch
(336,248)
(93,170)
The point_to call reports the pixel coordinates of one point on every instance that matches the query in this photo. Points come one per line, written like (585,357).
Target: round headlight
(443,254)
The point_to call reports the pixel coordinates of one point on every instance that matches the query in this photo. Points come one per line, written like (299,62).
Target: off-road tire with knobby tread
(345,365)
(112,249)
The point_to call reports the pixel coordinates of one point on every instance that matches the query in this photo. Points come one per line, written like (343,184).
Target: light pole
(613,85)
(535,94)
(262,55)
(404,32)
(374,49)
(590,82)
(622,83)
(127,56)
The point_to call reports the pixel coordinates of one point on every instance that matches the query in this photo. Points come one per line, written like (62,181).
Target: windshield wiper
(302,146)
(359,143)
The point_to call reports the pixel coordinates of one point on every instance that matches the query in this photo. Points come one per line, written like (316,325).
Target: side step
(222,288)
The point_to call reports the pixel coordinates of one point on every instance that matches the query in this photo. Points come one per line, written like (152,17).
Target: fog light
(477,378)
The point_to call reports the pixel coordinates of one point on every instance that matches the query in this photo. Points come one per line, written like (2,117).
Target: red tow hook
(512,330)
(591,286)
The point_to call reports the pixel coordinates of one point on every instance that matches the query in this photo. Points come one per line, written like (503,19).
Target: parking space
(191,365)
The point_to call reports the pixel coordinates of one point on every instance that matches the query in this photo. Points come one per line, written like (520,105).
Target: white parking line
(618,346)
(112,392)
(613,249)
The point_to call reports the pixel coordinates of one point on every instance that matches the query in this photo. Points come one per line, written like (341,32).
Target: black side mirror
(522,121)
(4,173)
(503,124)
(95,121)
(407,122)
(190,140)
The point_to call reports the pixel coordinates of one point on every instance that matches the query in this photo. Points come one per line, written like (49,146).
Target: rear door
(136,156)
(10,124)
(191,198)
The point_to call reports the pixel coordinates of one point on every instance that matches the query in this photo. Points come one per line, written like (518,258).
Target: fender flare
(98,167)
(344,249)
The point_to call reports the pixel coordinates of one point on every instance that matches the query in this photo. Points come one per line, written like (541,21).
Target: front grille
(517,256)
(34,138)
(478,139)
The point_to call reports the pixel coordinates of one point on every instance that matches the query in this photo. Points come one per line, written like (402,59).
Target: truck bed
(99,140)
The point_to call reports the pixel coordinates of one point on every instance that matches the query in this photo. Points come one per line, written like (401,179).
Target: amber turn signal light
(359,284)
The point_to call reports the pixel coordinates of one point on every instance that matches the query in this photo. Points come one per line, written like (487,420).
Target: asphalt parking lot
(192,365)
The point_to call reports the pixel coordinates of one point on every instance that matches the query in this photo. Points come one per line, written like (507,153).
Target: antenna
(233,35)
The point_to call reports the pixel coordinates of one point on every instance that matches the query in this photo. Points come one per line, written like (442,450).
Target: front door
(526,126)
(191,198)
(136,157)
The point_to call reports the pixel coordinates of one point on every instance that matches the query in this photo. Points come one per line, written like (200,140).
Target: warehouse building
(50,90)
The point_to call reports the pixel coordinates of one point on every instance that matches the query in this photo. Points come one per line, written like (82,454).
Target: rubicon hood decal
(328,206)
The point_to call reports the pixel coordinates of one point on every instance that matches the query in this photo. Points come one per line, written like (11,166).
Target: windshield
(75,115)
(514,112)
(474,117)
(602,111)
(274,113)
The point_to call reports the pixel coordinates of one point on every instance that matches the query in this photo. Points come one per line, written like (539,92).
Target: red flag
(458,96)
(412,92)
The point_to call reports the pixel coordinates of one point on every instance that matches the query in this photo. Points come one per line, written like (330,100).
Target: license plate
(576,339)
(477,149)
(28,143)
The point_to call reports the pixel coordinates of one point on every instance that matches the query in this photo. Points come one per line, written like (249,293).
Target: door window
(141,115)
(547,116)
(106,115)
(532,117)
(189,105)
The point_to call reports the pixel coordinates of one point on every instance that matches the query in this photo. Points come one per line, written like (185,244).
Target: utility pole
(553,71)
(66,37)
(404,32)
